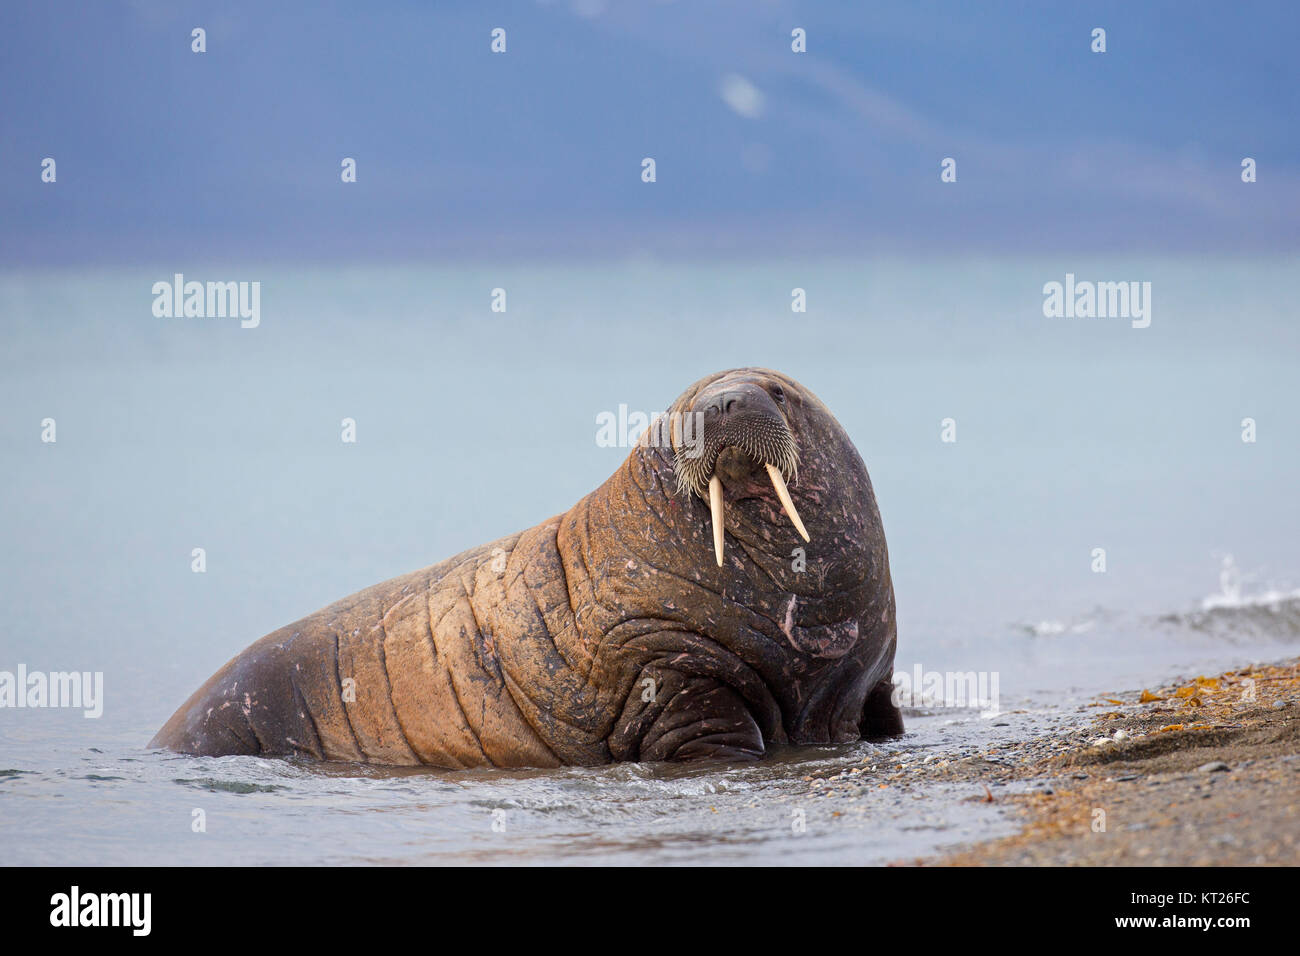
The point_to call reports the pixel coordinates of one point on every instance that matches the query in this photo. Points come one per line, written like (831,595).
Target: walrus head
(768,460)
(750,551)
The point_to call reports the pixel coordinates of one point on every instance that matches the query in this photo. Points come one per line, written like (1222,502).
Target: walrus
(726,591)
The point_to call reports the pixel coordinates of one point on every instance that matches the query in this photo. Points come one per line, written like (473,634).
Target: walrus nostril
(738,401)
(735,400)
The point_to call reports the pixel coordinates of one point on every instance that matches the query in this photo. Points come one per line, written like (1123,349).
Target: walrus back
(405,672)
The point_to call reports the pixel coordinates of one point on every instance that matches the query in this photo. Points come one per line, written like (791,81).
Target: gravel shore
(1205,772)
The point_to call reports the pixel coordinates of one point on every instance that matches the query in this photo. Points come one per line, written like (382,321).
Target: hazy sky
(163,153)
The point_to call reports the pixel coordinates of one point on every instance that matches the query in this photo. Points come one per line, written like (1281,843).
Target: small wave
(228,786)
(1268,617)
(1230,590)
(1271,614)
(1273,600)
(1055,628)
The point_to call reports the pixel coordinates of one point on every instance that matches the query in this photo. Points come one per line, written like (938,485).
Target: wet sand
(1205,772)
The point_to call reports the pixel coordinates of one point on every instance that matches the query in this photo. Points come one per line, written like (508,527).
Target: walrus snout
(732,405)
(742,427)
(744,431)
(743,399)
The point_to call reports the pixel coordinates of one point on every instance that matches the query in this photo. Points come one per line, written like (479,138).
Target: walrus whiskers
(762,442)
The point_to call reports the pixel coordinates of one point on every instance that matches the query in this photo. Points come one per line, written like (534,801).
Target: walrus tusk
(715,505)
(783,493)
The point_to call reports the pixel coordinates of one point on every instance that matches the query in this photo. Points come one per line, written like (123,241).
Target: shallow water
(176,434)
(265,812)
(116,803)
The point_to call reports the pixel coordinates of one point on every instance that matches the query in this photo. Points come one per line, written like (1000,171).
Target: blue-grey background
(522,171)
(166,154)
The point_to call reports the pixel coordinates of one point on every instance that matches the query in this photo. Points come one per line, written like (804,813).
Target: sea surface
(172,434)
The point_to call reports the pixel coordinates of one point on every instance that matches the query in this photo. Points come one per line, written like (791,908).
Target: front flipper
(669,716)
(880,715)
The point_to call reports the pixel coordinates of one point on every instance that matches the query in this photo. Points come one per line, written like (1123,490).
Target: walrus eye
(778,393)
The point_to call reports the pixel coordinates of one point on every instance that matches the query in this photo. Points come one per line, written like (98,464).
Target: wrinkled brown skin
(549,662)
